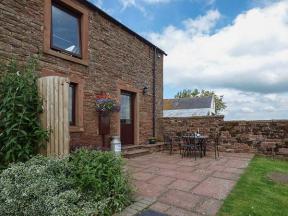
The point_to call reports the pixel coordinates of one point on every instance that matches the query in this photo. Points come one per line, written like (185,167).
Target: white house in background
(189,107)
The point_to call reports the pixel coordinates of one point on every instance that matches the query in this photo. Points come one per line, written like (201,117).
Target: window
(66,34)
(72,104)
(125,111)
(66,30)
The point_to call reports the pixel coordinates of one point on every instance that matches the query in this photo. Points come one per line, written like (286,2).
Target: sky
(237,48)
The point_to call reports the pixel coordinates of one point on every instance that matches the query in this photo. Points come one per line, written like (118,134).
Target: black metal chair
(189,146)
(200,143)
(168,143)
(177,140)
(217,136)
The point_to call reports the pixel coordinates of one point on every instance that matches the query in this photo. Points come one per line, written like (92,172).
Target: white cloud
(202,24)
(99,3)
(269,109)
(241,104)
(247,110)
(156,1)
(264,3)
(141,4)
(135,3)
(128,3)
(249,56)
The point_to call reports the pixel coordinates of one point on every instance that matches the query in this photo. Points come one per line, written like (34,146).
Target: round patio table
(200,140)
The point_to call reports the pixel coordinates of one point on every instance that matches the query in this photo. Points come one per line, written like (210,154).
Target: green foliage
(100,175)
(255,194)
(20,105)
(188,93)
(85,183)
(41,187)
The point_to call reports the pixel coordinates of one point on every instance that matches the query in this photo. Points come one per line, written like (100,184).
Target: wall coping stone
(196,117)
(256,121)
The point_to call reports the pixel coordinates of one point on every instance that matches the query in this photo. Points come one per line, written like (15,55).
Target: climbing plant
(20,105)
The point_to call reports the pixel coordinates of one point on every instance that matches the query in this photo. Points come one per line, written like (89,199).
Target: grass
(255,194)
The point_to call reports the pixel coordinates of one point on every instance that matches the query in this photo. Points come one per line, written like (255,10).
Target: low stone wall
(206,124)
(236,136)
(258,136)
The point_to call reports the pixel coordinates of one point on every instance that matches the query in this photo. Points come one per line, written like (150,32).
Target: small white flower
(18,73)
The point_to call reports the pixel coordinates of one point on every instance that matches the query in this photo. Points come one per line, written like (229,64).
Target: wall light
(145,90)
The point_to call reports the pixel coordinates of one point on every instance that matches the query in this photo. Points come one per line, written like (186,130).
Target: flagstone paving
(183,186)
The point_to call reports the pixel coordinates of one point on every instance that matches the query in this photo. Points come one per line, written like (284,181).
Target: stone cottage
(77,40)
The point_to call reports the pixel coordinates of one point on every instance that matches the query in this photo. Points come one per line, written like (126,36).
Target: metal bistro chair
(189,146)
(216,143)
(178,140)
(200,144)
(168,143)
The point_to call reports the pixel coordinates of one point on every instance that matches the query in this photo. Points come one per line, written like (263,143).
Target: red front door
(127,118)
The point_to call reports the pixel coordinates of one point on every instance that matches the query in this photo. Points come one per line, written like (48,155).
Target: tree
(220,105)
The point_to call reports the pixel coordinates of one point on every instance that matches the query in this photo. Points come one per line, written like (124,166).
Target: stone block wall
(255,136)
(115,56)
(207,125)
(236,136)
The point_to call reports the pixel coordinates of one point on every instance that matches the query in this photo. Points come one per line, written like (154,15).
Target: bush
(40,187)
(20,131)
(100,175)
(85,183)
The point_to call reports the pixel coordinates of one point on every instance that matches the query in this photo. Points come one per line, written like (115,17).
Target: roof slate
(188,103)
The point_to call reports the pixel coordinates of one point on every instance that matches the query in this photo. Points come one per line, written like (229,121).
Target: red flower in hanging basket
(106,103)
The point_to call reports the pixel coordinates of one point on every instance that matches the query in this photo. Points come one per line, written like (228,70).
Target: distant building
(189,107)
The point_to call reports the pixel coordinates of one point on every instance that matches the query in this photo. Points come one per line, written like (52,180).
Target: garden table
(197,140)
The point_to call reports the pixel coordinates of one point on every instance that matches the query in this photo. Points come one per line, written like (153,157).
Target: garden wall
(236,136)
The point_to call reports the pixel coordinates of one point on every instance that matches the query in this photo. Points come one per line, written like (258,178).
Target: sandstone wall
(236,136)
(115,56)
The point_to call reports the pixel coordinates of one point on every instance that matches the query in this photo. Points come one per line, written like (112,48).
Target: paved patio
(183,186)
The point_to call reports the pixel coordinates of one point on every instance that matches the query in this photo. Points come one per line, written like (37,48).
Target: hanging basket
(106,103)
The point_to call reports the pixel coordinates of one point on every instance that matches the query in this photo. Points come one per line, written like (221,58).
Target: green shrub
(41,187)
(100,175)
(85,183)
(20,105)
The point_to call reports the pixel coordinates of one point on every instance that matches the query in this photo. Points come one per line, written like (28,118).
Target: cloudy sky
(237,48)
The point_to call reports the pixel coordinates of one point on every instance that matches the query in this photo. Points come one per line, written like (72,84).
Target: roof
(94,7)
(186,112)
(188,103)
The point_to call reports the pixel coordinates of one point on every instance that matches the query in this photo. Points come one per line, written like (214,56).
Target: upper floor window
(66,30)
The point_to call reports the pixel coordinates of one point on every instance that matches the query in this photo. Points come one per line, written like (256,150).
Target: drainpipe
(154,92)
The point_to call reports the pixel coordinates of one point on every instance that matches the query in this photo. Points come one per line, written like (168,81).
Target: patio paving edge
(140,204)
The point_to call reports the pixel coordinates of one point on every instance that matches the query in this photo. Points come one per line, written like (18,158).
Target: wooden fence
(54,92)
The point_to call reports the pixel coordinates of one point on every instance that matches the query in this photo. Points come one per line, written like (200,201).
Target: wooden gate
(54,92)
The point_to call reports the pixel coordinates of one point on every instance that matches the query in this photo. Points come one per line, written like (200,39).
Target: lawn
(255,194)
